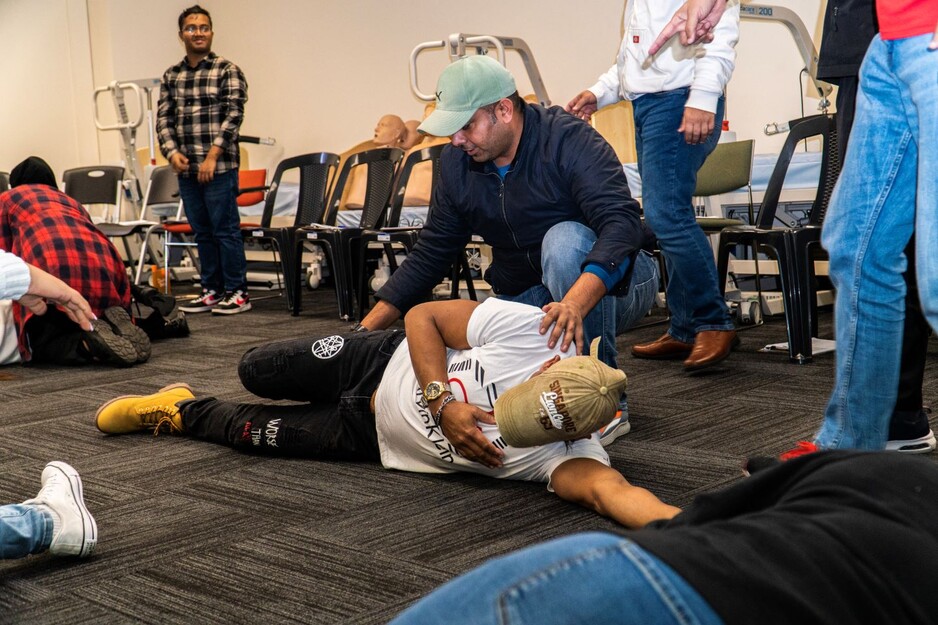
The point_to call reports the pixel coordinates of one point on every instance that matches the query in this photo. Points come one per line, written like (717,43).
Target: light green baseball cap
(463,88)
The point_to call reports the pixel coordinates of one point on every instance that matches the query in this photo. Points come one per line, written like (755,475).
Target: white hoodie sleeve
(607,89)
(714,65)
(14,276)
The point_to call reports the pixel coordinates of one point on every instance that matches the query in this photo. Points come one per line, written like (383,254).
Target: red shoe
(803,448)
(761,463)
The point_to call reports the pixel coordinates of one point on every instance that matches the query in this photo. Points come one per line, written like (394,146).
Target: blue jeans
(212,211)
(594,578)
(668,168)
(563,251)
(23,530)
(887,188)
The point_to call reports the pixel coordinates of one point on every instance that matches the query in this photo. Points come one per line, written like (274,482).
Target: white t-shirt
(506,349)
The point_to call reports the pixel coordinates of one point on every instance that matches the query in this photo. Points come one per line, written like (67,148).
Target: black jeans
(336,377)
(56,339)
(914,344)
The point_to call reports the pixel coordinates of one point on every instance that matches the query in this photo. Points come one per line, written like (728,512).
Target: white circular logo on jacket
(328,347)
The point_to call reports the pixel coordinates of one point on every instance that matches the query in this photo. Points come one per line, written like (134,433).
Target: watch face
(434,390)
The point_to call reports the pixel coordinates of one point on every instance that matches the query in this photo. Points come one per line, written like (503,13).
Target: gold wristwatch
(434,389)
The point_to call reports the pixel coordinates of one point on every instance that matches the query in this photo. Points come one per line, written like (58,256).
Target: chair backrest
(728,168)
(317,171)
(799,130)
(431,154)
(161,198)
(100,184)
(252,186)
(382,164)
(4,181)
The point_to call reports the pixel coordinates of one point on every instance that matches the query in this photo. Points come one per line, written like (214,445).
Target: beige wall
(321,72)
(45,101)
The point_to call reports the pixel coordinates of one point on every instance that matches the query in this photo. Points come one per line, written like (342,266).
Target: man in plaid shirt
(51,231)
(200,111)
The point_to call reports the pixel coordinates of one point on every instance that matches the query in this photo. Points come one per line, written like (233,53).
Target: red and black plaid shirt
(50,230)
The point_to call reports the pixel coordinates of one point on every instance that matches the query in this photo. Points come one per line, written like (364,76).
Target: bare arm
(44,286)
(381,316)
(604,490)
(431,328)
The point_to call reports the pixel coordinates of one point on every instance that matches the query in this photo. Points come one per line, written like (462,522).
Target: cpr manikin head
(390,131)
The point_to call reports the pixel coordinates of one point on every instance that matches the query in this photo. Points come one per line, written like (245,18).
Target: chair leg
(146,248)
(284,248)
(799,339)
(340,277)
(298,248)
(166,242)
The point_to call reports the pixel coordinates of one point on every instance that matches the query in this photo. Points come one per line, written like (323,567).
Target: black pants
(56,339)
(335,376)
(914,344)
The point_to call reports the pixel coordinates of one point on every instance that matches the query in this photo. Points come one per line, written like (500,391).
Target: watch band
(438,415)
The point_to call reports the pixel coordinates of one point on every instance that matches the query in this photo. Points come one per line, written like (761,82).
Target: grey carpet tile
(196,532)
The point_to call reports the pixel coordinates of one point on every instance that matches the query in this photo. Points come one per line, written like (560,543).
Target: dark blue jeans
(668,168)
(563,251)
(212,211)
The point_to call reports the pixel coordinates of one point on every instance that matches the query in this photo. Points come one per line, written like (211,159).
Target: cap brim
(445,123)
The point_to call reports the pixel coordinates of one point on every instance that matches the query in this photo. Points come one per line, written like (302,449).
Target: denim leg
(212,210)
(668,167)
(594,578)
(23,530)
(868,225)
(917,69)
(642,291)
(565,247)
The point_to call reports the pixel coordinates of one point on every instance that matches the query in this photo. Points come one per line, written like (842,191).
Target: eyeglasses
(193,29)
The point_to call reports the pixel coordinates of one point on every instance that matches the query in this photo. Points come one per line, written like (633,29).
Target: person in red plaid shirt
(47,229)
(200,111)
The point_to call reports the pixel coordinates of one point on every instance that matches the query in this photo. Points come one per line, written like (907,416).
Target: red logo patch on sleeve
(636,39)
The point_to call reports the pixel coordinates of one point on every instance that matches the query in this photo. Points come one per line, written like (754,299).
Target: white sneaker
(74,531)
(234,303)
(921,445)
(619,426)
(203,303)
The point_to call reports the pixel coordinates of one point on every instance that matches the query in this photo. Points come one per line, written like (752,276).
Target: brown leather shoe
(711,347)
(665,348)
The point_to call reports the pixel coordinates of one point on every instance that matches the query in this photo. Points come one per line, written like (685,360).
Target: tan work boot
(134,413)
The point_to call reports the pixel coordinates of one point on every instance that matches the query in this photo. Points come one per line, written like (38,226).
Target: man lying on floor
(364,402)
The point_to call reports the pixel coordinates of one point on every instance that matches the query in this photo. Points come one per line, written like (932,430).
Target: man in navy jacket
(547,193)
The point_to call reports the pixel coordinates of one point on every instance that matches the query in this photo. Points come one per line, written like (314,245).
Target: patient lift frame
(142,91)
(805,44)
(456,46)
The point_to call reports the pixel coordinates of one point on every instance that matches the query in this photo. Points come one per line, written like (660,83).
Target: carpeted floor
(196,533)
